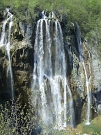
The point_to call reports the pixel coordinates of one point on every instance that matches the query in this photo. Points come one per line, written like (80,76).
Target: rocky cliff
(82,75)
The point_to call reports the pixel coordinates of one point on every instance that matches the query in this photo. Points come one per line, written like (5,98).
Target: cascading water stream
(88,96)
(50,83)
(3,33)
(9,69)
(5,40)
(78,36)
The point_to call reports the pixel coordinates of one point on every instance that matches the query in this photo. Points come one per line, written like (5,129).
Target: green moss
(93,129)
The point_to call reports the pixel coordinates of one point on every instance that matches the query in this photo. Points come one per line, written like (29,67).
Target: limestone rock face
(77,71)
(21,55)
(4,93)
(96,67)
(22,60)
(22,64)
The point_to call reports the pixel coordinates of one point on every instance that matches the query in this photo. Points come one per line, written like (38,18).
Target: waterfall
(9,69)
(43,15)
(78,36)
(52,15)
(5,40)
(52,95)
(88,96)
(3,33)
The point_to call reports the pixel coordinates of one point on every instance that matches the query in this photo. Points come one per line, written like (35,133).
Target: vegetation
(87,13)
(15,121)
(93,129)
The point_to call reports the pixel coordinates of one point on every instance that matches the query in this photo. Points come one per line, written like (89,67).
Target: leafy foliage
(87,13)
(14,120)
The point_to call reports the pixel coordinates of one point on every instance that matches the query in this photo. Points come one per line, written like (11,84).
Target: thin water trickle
(2,39)
(88,96)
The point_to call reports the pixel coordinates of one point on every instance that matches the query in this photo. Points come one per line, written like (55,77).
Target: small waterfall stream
(78,36)
(5,40)
(53,97)
(9,69)
(2,39)
(88,96)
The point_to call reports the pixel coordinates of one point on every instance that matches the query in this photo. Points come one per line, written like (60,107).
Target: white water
(9,69)
(86,77)
(5,40)
(3,33)
(50,85)
(2,39)
(43,15)
(52,15)
(88,96)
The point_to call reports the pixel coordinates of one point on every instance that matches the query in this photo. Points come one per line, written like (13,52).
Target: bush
(16,120)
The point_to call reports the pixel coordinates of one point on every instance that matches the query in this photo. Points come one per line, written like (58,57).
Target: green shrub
(16,120)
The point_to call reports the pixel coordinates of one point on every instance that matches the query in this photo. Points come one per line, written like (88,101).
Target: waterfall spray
(49,76)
